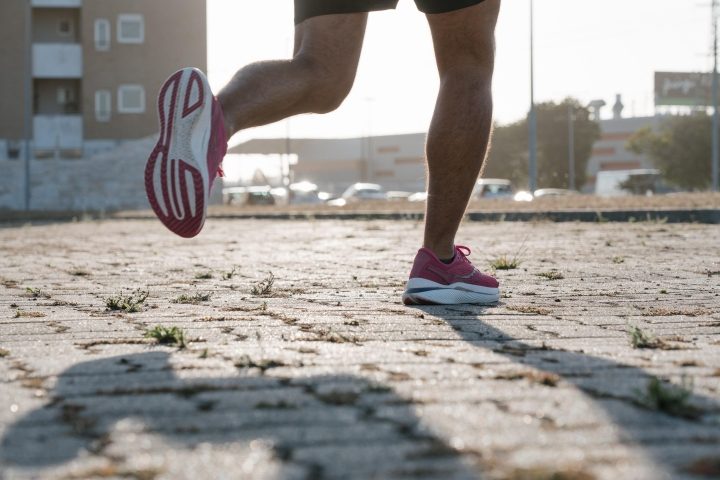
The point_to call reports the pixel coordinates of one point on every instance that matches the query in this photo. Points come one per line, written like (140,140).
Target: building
(610,151)
(95,68)
(397,162)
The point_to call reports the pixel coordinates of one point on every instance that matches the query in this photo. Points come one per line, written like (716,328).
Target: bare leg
(460,131)
(316,80)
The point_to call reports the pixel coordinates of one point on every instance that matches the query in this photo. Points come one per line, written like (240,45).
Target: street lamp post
(571,146)
(532,121)
(716,113)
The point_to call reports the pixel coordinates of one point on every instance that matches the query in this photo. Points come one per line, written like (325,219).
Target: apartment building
(94,68)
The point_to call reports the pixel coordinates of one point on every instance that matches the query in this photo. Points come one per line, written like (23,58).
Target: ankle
(443,252)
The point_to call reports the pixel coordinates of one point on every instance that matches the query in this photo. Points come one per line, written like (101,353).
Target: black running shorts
(305,9)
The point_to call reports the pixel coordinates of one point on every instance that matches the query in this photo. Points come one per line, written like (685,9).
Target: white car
(360,192)
(493,188)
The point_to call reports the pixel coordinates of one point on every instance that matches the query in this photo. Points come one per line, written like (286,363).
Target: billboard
(691,89)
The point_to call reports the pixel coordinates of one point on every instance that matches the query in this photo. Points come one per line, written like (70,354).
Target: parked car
(304,193)
(493,188)
(418,197)
(553,192)
(258,195)
(360,192)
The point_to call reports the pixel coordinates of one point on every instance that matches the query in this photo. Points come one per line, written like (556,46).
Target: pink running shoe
(434,282)
(186,161)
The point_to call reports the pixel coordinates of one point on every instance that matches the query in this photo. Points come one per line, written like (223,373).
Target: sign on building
(691,89)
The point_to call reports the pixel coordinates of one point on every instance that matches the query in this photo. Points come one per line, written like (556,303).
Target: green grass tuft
(192,299)
(505,263)
(131,303)
(167,335)
(640,339)
(668,398)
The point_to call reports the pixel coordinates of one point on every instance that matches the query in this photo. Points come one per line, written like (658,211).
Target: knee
(476,77)
(327,86)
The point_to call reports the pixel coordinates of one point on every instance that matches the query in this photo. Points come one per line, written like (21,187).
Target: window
(130,28)
(131,99)
(65,28)
(102,35)
(103,105)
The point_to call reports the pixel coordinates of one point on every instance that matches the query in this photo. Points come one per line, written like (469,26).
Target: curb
(704,216)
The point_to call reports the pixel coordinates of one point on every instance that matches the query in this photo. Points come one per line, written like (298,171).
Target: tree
(681,149)
(509,153)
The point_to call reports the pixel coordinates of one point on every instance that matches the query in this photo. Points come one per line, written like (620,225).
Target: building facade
(610,151)
(91,70)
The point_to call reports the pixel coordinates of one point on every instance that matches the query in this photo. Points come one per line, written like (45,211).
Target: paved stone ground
(329,376)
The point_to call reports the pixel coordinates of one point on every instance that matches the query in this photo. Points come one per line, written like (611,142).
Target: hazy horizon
(615,52)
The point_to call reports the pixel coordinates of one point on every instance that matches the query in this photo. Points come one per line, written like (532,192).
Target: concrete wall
(112,180)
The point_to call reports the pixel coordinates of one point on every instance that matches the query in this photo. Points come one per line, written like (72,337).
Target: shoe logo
(451,277)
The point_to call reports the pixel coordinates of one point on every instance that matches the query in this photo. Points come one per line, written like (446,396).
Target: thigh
(305,9)
(465,37)
(331,41)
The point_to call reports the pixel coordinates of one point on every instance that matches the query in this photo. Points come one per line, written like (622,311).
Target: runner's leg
(316,80)
(460,131)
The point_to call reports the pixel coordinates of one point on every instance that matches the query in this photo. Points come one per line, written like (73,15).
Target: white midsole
(420,290)
(414,283)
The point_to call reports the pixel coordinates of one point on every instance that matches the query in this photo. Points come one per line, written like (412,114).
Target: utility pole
(716,112)
(532,121)
(571,146)
(28,99)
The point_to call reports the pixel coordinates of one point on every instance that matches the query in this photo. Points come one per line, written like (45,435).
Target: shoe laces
(463,250)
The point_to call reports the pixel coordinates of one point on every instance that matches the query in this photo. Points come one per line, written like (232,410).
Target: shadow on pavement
(314,426)
(671,441)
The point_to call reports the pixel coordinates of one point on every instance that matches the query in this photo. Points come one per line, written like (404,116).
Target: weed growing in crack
(668,398)
(551,275)
(505,263)
(265,286)
(35,293)
(230,274)
(167,335)
(640,339)
(192,299)
(204,276)
(246,362)
(131,303)
(4,353)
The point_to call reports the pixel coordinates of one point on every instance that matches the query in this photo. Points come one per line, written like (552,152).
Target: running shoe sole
(176,174)
(420,291)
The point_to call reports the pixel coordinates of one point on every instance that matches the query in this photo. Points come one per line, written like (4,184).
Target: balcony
(58,132)
(57,3)
(57,60)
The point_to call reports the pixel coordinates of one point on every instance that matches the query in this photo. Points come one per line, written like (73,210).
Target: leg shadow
(313,427)
(614,388)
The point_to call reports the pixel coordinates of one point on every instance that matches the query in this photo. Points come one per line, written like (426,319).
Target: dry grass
(530,309)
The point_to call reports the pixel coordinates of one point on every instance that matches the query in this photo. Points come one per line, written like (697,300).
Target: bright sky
(585,48)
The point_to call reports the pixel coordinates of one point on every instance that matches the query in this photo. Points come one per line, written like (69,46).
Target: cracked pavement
(325,374)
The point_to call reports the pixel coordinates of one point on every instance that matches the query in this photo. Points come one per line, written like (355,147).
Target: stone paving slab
(328,375)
